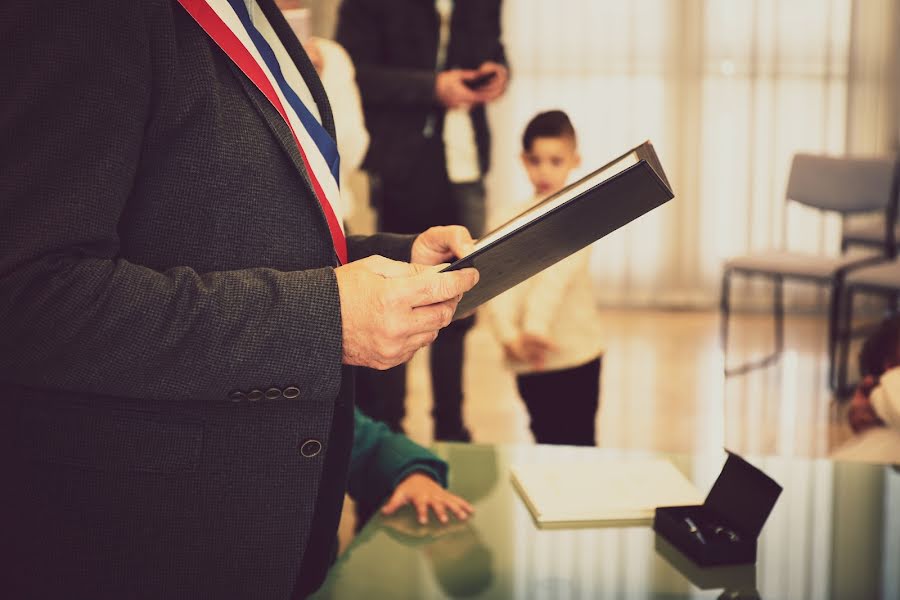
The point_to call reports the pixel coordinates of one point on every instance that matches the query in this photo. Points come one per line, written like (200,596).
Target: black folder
(564,223)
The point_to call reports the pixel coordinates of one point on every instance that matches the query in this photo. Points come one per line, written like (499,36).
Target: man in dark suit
(426,69)
(177,339)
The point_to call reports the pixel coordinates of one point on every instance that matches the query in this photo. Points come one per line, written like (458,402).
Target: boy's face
(549,163)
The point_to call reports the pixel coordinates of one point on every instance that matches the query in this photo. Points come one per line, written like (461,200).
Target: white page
(559,198)
(602,490)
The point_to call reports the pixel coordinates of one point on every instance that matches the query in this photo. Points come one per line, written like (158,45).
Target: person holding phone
(426,71)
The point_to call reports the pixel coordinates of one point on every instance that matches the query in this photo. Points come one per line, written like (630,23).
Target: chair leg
(778,302)
(725,313)
(842,341)
(835,325)
(778,314)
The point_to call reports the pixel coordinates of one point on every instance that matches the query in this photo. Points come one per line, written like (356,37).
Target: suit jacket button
(310,448)
(237,396)
(291,392)
(272,393)
(254,395)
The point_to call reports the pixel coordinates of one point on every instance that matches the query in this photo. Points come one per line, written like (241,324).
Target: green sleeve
(381,459)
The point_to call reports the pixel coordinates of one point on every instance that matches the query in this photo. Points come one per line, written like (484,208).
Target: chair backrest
(844,185)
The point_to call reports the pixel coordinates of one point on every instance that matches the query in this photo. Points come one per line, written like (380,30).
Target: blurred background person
(876,402)
(426,70)
(338,76)
(548,325)
(874,411)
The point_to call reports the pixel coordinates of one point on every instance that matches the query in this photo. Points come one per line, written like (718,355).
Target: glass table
(834,533)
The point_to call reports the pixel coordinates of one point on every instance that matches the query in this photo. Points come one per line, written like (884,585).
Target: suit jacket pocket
(111,440)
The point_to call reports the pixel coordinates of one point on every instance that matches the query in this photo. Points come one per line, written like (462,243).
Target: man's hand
(441,244)
(451,90)
(530,348)
(861,414)
(496,86)
(390,309)
(423,493)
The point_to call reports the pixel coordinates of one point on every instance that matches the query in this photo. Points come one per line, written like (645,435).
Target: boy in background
(548,325)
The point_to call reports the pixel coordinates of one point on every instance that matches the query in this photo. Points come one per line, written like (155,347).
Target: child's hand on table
(423,493)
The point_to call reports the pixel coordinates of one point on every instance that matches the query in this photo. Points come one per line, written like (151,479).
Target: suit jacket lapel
(304,65)
(275,122)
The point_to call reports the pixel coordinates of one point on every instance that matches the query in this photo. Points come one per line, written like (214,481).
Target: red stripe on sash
(213,25)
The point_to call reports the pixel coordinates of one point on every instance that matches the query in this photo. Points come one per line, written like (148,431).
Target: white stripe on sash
(313,154)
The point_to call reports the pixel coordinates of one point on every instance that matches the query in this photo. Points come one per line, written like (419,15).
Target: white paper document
(604,490)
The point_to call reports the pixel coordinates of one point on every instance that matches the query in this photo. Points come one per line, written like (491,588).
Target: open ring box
(724,529)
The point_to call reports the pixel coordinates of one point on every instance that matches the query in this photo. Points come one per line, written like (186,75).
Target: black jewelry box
(737,582)
(724,529)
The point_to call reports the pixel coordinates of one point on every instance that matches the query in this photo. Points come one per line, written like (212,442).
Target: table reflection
(834,533)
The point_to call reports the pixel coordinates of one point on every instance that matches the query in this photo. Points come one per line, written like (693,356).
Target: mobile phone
(480,81)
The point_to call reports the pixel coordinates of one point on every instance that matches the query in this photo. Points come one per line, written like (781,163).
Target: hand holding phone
(480,81)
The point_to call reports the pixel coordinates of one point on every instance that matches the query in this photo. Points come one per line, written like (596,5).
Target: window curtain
(727,91)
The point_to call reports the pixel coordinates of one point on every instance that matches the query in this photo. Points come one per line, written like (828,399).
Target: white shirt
(557,303)
(295,80)
(885,398)
(288,68)
(339,80)
(459,135)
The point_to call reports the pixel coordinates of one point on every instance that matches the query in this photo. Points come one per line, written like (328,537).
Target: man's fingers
(421,340)
(431,288)
(453,238)
(468,96)
(461,242)
(392,269)
(432,317)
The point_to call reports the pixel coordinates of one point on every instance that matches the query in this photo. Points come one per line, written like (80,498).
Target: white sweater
(557,303)
(339,80)
(885,398)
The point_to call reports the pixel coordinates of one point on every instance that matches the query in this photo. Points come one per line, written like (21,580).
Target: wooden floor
(663,389)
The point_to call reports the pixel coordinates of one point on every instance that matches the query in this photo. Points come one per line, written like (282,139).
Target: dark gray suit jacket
(170,328)
(394,46)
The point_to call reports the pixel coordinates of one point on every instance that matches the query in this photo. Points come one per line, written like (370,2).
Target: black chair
(841,185)
(869,234)
(882,280)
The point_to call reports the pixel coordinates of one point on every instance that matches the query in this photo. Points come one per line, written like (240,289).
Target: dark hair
(880,350)
(551,124)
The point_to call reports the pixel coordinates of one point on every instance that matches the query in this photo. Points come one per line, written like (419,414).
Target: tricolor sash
(229,24)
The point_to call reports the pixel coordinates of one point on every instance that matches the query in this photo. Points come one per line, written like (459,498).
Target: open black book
(564,223)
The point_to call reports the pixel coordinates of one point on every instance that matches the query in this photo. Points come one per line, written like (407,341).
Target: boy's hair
(550,124)
(881,348)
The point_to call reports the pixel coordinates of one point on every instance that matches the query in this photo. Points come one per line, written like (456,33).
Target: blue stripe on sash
(323,141)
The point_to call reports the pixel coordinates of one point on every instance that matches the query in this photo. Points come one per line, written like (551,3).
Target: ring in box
(724,529)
